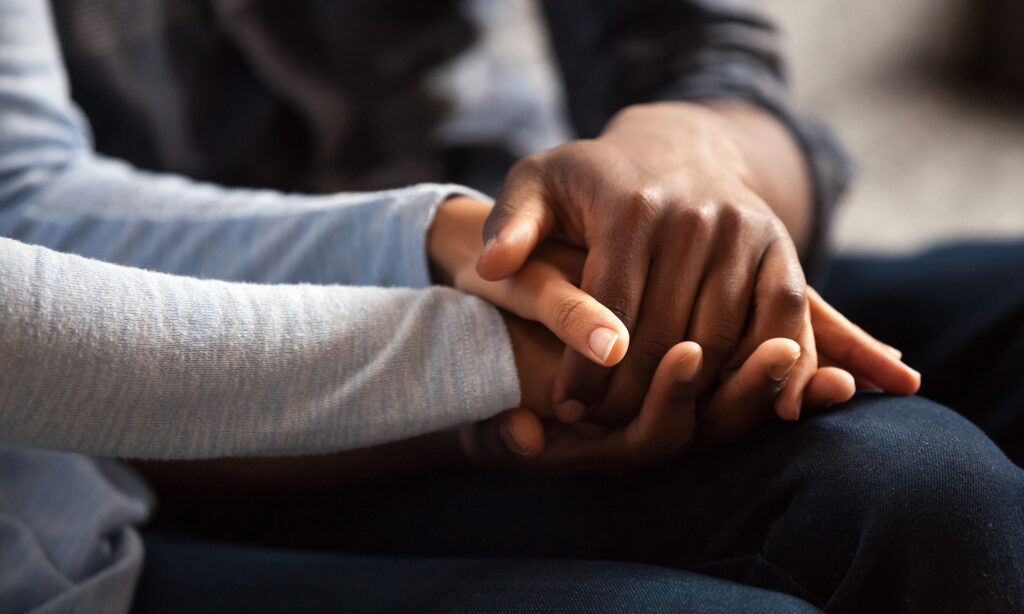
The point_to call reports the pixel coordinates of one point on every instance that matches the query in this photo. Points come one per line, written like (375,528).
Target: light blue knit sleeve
(117,361)
(56,192)
(99,355)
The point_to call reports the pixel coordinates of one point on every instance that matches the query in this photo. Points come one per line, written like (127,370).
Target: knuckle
(697,221)
(737,218)
(776,228)
(648,351)
(644,206)
(619,301)
(721,342)
(788,297)
(731,217)
(567,311)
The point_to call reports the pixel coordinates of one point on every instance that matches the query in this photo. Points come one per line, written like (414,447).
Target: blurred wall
(941,159)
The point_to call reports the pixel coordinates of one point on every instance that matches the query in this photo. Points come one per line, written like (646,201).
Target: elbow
(39,144)
(29,165)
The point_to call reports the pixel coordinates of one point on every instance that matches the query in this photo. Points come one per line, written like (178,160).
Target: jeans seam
(805,594)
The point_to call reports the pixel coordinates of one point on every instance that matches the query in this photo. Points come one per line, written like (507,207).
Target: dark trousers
(880,504)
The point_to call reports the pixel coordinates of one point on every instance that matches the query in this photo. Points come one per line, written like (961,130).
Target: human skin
(743,174)
(530,439)
(550,278)
(693,216)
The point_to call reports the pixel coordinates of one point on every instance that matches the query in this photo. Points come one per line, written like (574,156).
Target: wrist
(671,125)
(778,168)
(454,239)
(536,352)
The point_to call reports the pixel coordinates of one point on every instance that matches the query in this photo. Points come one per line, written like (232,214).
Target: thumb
(541,292)
(512,435)
(745,397)
(519,220)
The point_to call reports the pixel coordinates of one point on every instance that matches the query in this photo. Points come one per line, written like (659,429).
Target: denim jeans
(880,504)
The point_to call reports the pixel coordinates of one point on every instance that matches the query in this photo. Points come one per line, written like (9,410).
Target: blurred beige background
(939,160)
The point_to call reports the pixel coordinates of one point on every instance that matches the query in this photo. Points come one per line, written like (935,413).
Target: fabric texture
(883,504)
(183,342)
(210,577)
(112,359)
(122,361)
(68,541)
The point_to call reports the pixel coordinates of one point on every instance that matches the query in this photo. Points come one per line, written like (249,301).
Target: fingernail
(510,441)
(685,369)
(489,245)
(896,353)
(570,411)
(780,370)
(602,340)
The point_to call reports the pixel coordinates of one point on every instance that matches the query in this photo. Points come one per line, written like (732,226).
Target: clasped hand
(662,238)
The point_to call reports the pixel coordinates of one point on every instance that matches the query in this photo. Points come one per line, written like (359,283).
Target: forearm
(56,192)
(103,209)
(109,360)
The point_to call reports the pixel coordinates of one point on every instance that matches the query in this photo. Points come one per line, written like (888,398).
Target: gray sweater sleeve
(113,360)
(117,360)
